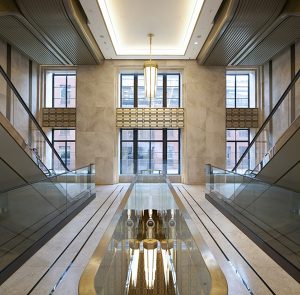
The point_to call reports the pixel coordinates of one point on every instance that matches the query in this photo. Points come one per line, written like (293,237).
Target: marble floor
(56,268)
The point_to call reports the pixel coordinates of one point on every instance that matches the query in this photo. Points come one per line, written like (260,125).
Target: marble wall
(203,138)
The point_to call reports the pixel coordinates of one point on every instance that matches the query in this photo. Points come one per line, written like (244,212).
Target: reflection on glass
(152,250)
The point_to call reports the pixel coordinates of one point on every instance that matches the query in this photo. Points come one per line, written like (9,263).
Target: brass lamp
(150,74)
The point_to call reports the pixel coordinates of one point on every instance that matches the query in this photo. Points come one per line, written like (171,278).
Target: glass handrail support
(31,211)
(24,122)
(152,247)
(261,148)
(270,213)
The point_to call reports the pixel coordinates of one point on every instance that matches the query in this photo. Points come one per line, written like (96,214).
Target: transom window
(149,149)
(133,91)
(237,140)
(237,91)
(64,91)
(64,143)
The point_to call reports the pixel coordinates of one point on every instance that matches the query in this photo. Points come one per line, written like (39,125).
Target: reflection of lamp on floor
(150,259)
(134,250)
(167,253)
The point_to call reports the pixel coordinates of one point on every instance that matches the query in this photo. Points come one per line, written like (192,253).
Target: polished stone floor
(56,268)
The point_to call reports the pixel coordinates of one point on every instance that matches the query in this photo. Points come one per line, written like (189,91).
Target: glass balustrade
(269,212)
(30,211)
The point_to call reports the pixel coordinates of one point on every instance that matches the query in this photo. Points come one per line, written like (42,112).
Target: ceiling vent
(251,32)
(49,31)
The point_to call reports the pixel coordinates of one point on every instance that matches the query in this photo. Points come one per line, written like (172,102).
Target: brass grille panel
(59,117)
(150,118)
(242,118)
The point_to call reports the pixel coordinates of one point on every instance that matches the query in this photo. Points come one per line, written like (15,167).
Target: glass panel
(127,134)
(230,86)
(172,157)
(159,89)
(242,134)
(230,134)
(230,155)
(173,103)
(146,134)
(242,103)
(156,103)
(172,134)
(143,102)
(127,158)
(143,156)
(32,210)
(127,91)
(268,211)
(230,103)
(156,155)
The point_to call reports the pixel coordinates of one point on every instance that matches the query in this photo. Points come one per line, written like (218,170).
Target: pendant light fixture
(150,74)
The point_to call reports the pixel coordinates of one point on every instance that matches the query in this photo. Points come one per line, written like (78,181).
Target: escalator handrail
(13,88)
(282,98)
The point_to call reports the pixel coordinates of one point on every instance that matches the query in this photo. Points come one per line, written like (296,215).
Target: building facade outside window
(237,140)
(132,91)
(64,143)
(237,91)
(63,90)
(148,150)
(154,150)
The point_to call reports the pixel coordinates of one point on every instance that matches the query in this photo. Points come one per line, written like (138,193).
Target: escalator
(261,195)
(38,193)
(273,154)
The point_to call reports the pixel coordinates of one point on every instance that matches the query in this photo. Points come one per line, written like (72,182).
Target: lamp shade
(150,76)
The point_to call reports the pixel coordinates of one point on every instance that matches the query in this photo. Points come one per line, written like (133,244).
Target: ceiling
(180,28)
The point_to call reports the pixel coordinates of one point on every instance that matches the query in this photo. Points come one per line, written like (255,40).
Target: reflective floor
(152,250)
(57,267)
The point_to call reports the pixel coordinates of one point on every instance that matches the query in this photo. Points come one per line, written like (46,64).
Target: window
(64,143)
(237,91)
(64,90)
(132,92)
(149,149)
(237,140)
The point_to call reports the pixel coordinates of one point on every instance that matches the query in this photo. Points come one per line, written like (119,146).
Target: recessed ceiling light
(196,43)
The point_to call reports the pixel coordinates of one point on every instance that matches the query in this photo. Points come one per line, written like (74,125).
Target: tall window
(64,143)
(237,140)
(148,149)
(64,90)
(133,92)
(237,91)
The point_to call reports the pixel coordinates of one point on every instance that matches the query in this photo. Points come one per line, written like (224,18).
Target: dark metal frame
(164,141)
(165,99)
(64,75)
(236,141)
(63,141)
(235,98)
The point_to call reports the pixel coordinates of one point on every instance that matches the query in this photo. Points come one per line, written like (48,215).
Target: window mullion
(164,90)
(135,91)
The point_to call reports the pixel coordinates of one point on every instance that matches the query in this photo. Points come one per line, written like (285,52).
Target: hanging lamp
(150,74)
